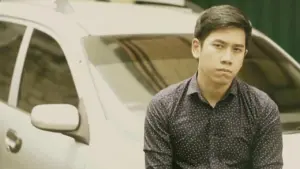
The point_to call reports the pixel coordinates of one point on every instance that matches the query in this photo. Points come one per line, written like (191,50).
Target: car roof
(105,18)
(115,18)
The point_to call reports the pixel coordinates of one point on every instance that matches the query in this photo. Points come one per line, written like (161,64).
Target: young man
(213,120)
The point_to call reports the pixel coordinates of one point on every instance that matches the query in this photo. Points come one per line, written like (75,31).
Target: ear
(196,48)
(246,52)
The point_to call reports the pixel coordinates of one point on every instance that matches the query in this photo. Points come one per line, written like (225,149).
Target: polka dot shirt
(182,131)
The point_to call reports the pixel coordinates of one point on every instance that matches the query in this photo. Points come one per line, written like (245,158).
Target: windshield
(137,67)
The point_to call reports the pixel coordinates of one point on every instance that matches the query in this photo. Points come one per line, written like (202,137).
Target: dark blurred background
(278,19)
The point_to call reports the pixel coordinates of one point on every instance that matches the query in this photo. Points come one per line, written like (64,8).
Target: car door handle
(12,141)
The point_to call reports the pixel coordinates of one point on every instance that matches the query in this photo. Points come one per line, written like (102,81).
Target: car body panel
(42,148)
(39,148)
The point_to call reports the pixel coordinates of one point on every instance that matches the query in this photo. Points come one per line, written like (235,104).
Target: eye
(218,46)
(237,50)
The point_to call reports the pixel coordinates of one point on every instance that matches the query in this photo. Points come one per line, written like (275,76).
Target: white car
(75,81)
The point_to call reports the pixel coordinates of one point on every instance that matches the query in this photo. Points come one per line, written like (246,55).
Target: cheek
(238,64)
(204,60)
(208,56)
(207,64)
(209,59)
(239,61)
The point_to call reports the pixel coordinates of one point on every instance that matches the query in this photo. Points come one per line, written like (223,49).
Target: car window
(11,36)
(46,77)
(273,73)
(137,67)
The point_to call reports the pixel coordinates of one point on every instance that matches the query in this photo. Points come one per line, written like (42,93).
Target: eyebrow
(223,42)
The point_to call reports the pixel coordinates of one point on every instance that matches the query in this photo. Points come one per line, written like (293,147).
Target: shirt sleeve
(157,145)
(267,153)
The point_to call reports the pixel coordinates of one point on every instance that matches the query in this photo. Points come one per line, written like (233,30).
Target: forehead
(230,35)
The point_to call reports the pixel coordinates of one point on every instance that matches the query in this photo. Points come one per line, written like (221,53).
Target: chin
(222,81)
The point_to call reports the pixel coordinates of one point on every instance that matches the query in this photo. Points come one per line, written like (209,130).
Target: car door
(11,36)
(42,77)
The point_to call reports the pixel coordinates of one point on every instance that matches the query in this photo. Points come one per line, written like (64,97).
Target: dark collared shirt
(182,131)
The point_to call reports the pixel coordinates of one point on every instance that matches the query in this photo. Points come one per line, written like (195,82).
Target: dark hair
(221,16)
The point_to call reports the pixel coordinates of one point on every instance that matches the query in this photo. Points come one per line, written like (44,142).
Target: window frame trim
(14,88)
(18,69)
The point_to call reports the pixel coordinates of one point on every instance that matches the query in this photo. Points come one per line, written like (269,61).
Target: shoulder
(258,98)
(166,97)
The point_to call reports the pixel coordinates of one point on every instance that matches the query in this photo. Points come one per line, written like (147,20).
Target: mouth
(224,70)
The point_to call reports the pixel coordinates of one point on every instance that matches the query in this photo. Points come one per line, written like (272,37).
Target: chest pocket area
(234,143)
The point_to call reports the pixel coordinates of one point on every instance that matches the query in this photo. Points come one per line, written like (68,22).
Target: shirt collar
(193,86)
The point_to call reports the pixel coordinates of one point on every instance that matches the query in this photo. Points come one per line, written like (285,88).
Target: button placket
(212,140)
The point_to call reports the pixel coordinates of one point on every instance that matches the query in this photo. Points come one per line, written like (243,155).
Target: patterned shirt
(182,131)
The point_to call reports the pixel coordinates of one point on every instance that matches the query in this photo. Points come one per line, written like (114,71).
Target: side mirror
(55,117)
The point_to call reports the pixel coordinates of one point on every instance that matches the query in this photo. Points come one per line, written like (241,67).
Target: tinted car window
(11,36)
(46,77)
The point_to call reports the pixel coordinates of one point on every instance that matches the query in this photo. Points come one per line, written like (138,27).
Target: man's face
(221,55)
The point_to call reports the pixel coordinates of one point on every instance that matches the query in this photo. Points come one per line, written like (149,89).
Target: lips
(224,70)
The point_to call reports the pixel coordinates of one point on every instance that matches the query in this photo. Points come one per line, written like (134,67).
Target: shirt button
(212,159)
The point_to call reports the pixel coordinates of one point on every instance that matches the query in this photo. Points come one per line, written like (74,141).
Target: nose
(227,58)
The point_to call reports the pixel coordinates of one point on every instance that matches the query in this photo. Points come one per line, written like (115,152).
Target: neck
(211,91)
